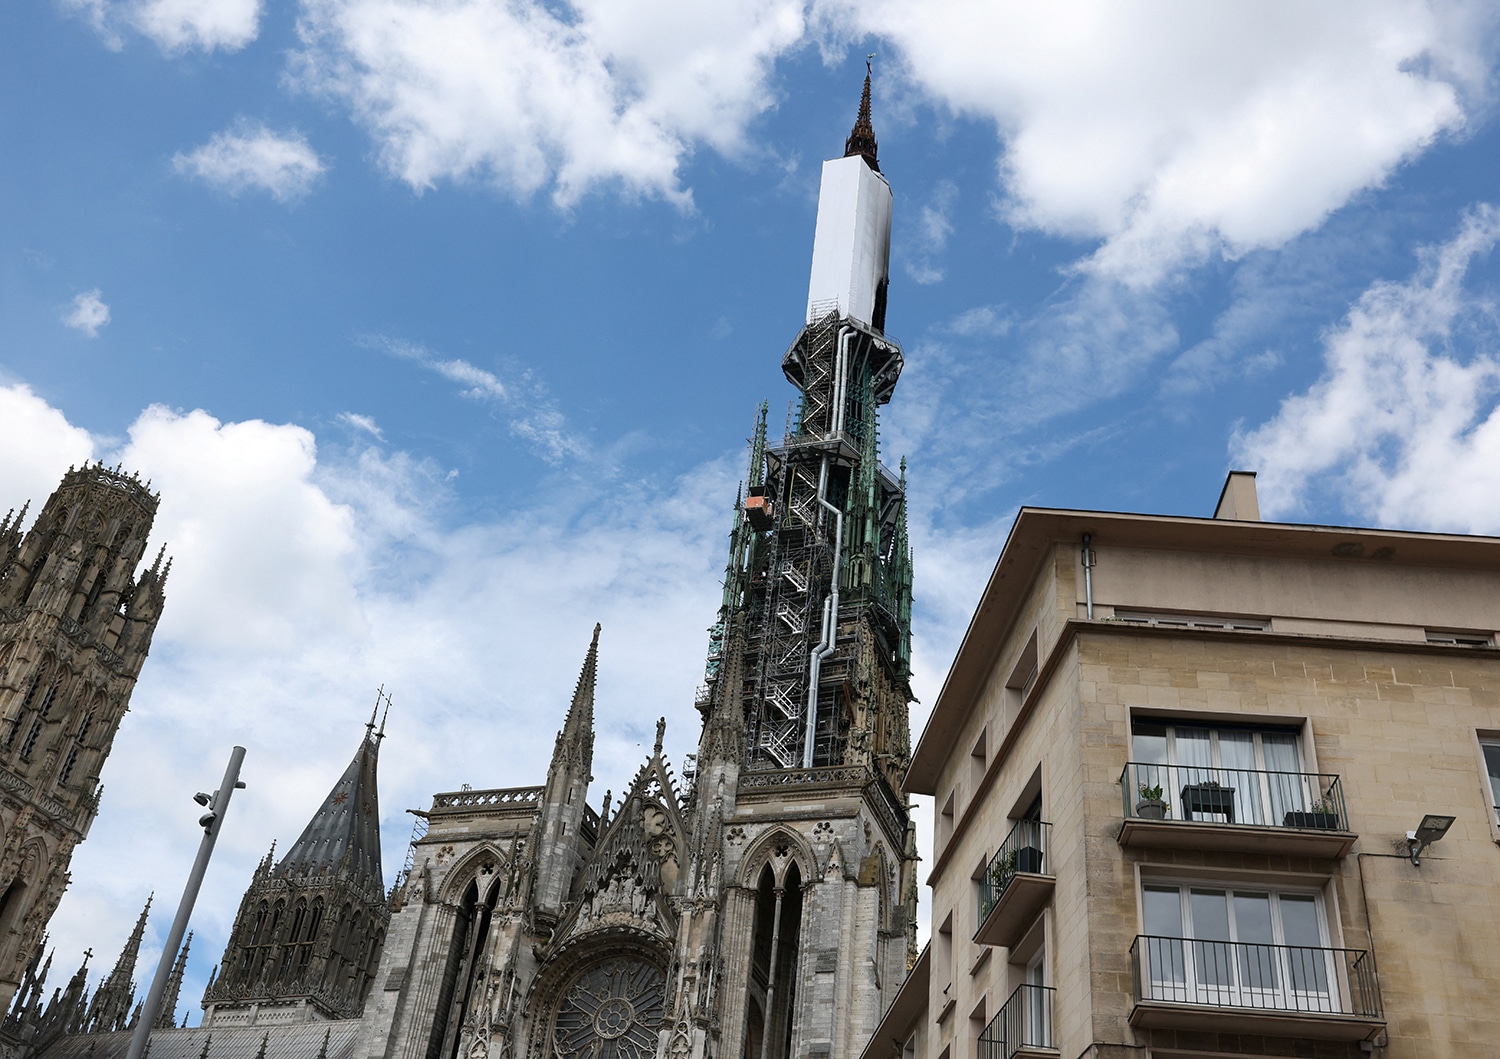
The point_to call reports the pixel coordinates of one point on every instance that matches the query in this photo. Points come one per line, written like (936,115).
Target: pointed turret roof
(111,1005)
(575,741)
(861,139)
(581,710)
(344,834)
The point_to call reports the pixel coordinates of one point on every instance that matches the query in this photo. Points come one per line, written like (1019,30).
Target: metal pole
(211,821)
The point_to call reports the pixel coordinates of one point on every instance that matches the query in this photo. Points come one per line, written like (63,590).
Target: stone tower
(311,927)
(75,626)
(798,899)
(765,908)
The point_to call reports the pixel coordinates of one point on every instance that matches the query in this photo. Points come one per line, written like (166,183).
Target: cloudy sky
(440,325)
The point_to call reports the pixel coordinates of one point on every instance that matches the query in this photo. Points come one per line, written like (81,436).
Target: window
(1022,678)
(1194,621)
(1240,948)
(1491,750)
(1228,773)
(947,819)
(1460,638)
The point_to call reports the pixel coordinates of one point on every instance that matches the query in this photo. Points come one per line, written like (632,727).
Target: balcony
(1247,988)
(1023,1027)
(1017,884)
(1240,810)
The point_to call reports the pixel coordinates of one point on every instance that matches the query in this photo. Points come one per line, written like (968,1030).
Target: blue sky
(441,326)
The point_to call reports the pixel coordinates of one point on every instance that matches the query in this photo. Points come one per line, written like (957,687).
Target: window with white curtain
(1225,773)
(1250,947)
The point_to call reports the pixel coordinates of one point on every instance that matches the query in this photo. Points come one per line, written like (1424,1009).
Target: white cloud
(530,95)
(934,226)
(179,25)
(530,412)
(250,156)
(175,25)
(1403,425)
(37,445)
(1172,132)
(88,313)
(274,556)
(363,423)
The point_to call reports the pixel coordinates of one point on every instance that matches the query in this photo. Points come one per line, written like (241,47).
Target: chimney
(1238,501)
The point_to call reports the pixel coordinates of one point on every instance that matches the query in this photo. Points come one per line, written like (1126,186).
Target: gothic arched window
(773,965)
(310,935)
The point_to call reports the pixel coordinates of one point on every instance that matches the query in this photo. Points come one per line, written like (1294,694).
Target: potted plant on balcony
(1001,871)
(1029,858)
(1320,815)
(1152,805)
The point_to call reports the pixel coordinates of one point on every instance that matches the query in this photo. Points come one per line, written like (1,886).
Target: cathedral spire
(296,953)
(110,1009)
(861,139)
(344,834)
(563,840)
(576,739)
(167,1019)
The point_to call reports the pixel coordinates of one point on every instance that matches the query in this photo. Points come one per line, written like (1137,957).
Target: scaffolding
(787,556)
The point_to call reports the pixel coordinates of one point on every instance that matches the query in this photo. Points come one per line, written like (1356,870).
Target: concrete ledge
(1305,1025)
(1025,896)
(1236,838)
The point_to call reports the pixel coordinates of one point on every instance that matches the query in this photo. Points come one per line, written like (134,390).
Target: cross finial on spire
(861,139)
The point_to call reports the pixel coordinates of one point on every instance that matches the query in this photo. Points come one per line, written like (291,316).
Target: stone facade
(75,626)
(1303,697)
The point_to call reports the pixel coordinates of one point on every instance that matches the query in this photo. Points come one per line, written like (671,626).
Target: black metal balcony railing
(1253,797)
(1237,974)
(1024,849)
(1024,1022)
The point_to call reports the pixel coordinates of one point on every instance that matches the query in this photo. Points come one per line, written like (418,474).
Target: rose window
(611,1011)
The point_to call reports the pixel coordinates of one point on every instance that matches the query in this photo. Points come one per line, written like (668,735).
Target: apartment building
(1215,787)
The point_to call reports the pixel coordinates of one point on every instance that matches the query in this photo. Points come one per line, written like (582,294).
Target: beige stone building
(1175,765)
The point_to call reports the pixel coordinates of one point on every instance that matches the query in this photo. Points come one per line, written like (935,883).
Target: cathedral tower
(310,929)
(766,909)
(800,917)
(75,626)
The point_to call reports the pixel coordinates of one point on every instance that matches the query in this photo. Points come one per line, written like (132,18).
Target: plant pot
(1312,820)
(1151,809)
(1029,858)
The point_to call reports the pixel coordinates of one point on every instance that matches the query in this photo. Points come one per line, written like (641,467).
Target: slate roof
(346,824)
(302,1041)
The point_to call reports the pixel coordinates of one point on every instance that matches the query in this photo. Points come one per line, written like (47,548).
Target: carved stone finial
(661,733)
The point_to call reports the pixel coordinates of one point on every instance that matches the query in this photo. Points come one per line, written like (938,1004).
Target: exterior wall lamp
(1428,831)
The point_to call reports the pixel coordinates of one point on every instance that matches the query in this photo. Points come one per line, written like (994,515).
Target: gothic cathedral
(760,904)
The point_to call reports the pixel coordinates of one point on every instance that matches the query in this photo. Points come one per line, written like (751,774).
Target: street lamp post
(211,821)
